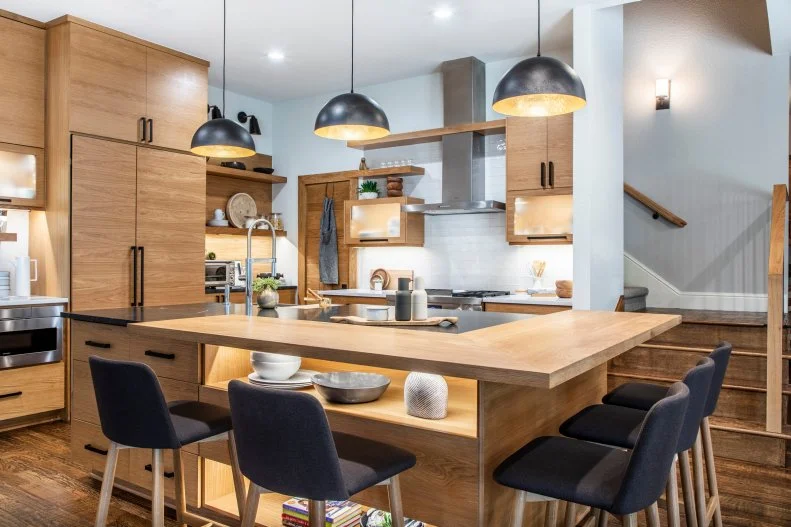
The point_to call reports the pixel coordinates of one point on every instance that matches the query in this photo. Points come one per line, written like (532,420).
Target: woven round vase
(426,395)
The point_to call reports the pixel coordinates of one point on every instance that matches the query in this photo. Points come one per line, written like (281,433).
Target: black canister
(403,304)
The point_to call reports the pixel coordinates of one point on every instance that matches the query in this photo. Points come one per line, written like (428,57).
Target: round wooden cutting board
(240,207)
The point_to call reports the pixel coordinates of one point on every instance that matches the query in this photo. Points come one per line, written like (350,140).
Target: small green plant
(368,186)
(211,256)
(259,284)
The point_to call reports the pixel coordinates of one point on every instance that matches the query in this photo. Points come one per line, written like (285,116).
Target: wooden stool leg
(238,478)
(711,471)
(571,515)
(671,494)
(603,520)
(158,489)
(652,515)
(686,487)
(181,499)
(551,515)
(700,488)
(519,509)
(630,520)
(251,506)
(396,505)
(317,511)
(107,485)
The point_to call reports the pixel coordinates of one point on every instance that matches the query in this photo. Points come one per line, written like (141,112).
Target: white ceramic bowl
(377,313)
(276,371)
(272,357)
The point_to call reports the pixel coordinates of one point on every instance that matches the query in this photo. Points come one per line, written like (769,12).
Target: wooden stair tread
(723,318)
(746,427)
(643,376)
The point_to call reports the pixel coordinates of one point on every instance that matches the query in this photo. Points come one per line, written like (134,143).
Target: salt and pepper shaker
(403,304)
(419,300)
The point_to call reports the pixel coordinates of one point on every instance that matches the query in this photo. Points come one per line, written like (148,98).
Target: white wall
(236,103)
(713,157)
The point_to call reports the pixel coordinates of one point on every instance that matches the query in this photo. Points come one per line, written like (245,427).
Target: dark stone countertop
(216,290)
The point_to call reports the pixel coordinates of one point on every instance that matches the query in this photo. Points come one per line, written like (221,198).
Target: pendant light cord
(539,28)
(352,46)
(223,58)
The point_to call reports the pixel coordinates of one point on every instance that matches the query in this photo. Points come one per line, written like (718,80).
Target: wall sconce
(214,112)
(663,94)
(254,129)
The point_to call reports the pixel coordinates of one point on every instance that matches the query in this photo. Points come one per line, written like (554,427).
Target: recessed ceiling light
(276,56)
(443,12)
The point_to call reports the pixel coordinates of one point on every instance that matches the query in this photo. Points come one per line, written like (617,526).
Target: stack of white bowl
(274,366)
(5,284)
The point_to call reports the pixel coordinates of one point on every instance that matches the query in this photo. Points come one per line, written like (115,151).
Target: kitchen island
(511,378)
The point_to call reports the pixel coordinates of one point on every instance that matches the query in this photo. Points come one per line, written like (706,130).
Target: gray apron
(328,244)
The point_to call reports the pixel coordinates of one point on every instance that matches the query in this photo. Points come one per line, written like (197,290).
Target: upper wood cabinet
(22,89)
(382,222)
(539,153)
(539,217)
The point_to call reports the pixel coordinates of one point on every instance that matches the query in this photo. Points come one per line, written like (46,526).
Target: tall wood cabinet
(539,153)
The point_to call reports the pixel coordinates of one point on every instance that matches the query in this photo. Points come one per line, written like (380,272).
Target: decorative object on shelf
(238,165)
(3,221)
(222,137)
(244,117)
(266,288)
(352,116)
(219,219)
(382,275)
(363,164)
(211,256)
(377,518)
(426,395)
(539,87)
(240,207)
(403,303)
(368,190)
(351,387)
(276,219)
(419,300)
(564,288)
(395,187)
(536,271)
(264,170)
(662,94)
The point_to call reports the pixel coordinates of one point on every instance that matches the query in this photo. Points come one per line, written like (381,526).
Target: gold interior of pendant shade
(352,132)
(539,105)
(222,151)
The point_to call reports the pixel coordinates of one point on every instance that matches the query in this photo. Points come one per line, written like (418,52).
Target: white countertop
(370,293)
(31,301)
(527,299)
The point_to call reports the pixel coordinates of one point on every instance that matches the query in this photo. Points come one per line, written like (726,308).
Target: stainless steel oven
(220,273)
(30,335)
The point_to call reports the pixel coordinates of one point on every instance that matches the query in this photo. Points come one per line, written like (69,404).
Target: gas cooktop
(464,293)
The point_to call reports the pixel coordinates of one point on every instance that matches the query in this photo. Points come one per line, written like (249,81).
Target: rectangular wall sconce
(663,94)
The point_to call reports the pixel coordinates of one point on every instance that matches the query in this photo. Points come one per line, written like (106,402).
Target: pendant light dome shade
(352,116)
(539,87)
(222,138)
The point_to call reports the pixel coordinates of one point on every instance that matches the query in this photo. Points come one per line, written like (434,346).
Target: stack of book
(339,513)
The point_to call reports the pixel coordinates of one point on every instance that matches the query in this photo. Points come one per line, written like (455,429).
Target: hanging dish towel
(328,244)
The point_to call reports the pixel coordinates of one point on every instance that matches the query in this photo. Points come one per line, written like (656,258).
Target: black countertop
(220,290)
(468,320)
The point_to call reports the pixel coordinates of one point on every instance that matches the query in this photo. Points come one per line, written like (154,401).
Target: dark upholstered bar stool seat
(609,425)
(366,463)
(635,395)
(195,421)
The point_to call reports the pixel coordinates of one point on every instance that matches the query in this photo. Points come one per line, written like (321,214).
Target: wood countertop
(541,352)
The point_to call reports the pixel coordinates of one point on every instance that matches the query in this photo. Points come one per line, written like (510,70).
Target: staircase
(634,298)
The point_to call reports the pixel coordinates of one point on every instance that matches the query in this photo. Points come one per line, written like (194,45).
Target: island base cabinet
(140,473)
(89,448)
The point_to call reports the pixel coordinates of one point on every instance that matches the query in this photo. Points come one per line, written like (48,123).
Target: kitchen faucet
(250,261)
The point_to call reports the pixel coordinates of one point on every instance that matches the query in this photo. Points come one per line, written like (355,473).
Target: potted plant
(368,190)
(266,289)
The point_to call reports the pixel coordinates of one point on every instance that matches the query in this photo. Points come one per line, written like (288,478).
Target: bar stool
(134,414)
(285,445)
(620,426)
(641,395)
(611,479)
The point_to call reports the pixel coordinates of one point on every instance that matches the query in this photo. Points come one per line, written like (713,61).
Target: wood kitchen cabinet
(382,222)
(539,217)
(539,153)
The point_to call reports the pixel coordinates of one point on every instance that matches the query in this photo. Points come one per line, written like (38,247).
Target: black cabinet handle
(142,124)
(150,130)
(102,345)
(552,174)
(6,200)
(160,355)
(543,175)
(134,275)
(168,475)
(142,275)
(9,395)
(96,450)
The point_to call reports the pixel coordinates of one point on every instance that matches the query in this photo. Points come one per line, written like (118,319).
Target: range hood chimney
(463,170)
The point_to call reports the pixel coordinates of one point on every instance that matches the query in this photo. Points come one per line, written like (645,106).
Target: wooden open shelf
(429,136)
(233,231)
(247,175)
(409,170)
(7,236)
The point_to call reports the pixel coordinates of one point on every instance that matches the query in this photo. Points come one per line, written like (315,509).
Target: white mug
(219,214)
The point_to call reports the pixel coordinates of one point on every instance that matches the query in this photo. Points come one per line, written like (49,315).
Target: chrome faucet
(250,261)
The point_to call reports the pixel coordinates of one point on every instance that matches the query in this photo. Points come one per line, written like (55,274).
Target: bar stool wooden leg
(396,506)
(181,498)
(700,488)
(251,506)
(238,479)
(107,485)
(158,490)
(317,511)
(686,487)
(571,515)
(652,515)
(519,509)
(630,520)
(551,514)
(603,520)
(671,495)
(711,471)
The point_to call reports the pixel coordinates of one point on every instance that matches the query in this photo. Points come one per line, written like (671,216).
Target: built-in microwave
(30,335)
(224,272)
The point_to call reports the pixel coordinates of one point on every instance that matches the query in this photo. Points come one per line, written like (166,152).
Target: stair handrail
(653,206)
(775,310)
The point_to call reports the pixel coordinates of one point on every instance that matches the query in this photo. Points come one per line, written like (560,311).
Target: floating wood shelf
(247,175)
(429,136)
(233,231)
(408,170)
(7,236)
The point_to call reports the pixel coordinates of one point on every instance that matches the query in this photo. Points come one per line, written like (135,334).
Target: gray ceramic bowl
(351,387)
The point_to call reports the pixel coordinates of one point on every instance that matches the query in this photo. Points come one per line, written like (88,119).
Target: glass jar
(3,220)
(276,218)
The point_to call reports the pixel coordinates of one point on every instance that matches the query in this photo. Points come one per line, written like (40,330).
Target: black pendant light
(539,87)
(352,116)
(222,137)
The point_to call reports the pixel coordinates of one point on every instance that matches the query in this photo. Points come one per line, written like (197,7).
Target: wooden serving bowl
(564,288)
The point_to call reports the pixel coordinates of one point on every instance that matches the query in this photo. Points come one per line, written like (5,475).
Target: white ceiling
(394,38)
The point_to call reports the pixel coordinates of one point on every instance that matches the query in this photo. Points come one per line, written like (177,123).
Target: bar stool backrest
(284,442)
(132,408)
(698,380)
(649,465)
(721,356)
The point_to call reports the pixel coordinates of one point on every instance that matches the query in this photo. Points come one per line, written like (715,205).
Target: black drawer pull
(168,475)
(6,200)
(90,448)
(9,395)
(159,355)
(94,344)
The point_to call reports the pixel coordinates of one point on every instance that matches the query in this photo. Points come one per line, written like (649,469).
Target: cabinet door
(171,209)
(560,151)
(375,222)
(102,223)
(108,84)
(542,217)
(22,83)
(526,150)
(177,91)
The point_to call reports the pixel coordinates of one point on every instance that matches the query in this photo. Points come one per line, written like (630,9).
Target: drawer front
(141,476)
(87,339)
(171,359)
(31,390)
(89,448)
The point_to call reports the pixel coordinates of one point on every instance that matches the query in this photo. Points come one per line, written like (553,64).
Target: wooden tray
(360,321)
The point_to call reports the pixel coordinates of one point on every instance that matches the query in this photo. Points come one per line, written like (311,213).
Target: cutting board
(360,321)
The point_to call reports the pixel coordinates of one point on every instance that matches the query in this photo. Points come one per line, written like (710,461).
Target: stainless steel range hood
(463,171)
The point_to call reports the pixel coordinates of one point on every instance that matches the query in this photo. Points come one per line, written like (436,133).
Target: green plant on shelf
(368,186)
(260,284)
